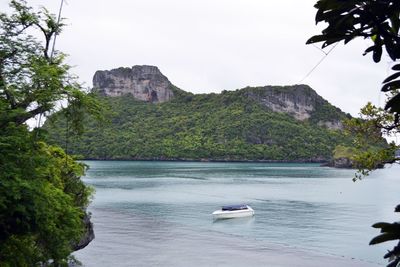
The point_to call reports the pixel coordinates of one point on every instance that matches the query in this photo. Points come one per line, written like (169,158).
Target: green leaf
(394,20)
(384,238)
(331,41)
(393,228)
(377,54)
(392,77)
(393,105)
(390,86)
(368,50)
(316,39)
(381,225)
(396,67)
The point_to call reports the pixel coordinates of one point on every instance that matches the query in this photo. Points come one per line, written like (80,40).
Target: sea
(158,213)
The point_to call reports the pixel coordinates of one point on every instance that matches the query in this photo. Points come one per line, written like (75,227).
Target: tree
(379,22)
(42,199)
(376,20)
(370,150)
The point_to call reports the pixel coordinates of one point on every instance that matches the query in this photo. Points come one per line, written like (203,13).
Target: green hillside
(233,125)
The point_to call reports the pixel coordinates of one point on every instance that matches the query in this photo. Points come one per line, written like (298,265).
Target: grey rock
(344,163)
(299,101)
(295,102)
(145,83)
(397,154)
(88,235)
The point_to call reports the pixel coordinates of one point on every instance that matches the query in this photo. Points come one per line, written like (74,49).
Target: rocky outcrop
(340,163)
(397,154)
(344,163)
(145,83)
(88,235)
(299,101)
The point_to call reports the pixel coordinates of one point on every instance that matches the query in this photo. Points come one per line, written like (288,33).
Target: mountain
(145,83)
(150,118)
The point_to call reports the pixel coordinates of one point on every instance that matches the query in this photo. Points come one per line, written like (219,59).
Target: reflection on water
(159,214)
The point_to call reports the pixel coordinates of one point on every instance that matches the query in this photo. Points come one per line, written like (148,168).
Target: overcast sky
(213,45)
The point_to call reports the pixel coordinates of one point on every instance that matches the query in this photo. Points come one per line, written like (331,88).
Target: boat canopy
(235,207)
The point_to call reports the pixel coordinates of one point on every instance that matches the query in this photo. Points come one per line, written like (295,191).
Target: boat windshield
(235,207)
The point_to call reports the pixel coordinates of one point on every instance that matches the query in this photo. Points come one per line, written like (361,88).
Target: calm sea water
(158,214)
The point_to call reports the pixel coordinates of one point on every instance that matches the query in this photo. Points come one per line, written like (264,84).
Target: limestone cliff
(299,101)
(145,83)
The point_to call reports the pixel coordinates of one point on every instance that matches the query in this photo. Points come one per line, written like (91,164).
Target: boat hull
(229,214)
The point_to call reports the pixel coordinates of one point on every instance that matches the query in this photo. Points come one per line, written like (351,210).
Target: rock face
(145,83)
(88,236)
(299,101)
(345,163)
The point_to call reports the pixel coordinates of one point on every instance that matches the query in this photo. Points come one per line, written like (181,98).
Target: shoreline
(322,162)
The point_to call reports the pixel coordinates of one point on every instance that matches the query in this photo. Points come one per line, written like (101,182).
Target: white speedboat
(233,211)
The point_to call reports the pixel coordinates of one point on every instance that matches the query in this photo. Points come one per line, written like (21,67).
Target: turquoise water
(158,214)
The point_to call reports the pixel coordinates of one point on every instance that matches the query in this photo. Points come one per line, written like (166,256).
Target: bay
(159,214)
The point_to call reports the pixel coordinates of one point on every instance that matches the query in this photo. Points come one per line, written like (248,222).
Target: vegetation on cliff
(233,125)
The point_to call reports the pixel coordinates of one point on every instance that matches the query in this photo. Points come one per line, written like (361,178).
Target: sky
(213,45)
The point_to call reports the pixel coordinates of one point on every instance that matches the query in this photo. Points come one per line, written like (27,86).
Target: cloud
(214,45)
